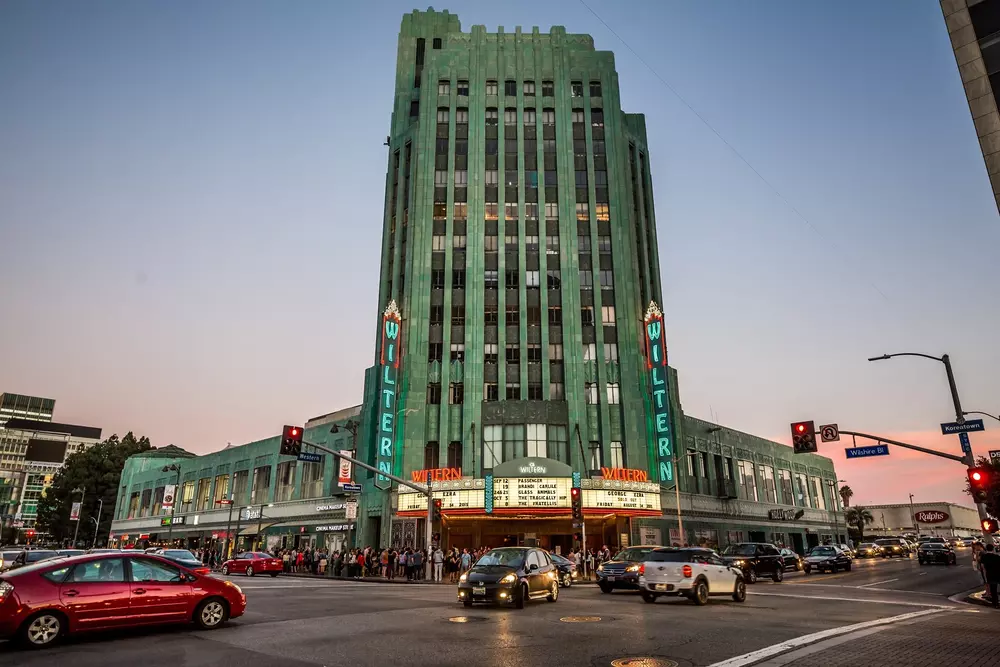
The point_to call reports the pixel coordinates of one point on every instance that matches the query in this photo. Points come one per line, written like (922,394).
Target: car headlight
(632,568)
(463,577)
(600,568)
(509,579)
(552,574)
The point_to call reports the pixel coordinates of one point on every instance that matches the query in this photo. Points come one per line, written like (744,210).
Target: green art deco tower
(519,245)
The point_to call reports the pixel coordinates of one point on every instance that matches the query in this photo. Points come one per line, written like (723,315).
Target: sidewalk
(397,580)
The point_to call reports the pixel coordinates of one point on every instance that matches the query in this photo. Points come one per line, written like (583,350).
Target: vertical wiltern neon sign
(388,394)
(656,360)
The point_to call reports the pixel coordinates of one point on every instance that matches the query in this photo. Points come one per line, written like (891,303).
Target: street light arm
(906,354)
(978,412)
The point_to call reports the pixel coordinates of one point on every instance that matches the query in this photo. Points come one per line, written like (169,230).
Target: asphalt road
(297,621)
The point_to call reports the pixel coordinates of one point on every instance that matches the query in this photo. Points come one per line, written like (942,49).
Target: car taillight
(686,571)
(5,590)
(203,570)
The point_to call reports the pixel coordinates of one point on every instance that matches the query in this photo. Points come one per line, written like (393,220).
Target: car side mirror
(532,567)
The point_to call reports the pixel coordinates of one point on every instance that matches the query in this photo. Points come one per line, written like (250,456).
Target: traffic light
(979,480)
(804,437)
(437,509)
(291,440)
(989,526)
(576,498)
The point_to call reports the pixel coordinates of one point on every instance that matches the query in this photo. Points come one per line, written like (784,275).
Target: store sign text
(436,474)
(527,492)
(388,396)
(656,358)
(625,474)
(931,516)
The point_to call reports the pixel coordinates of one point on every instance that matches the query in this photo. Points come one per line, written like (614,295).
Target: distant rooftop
(337,416)
(166,452)
(35,426)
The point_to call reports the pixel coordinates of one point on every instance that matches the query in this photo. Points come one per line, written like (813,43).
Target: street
(304,621)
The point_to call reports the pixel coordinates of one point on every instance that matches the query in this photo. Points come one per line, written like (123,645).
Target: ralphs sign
(931,516)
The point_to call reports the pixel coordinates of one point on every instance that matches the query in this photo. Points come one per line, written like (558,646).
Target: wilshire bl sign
(656,358)
(389,394)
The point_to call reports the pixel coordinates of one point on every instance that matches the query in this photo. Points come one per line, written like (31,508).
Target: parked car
(790,559)
(935,552)
(869,550)
(510,575)
(31,556)
(827,558)
(104,551)
(7,559)
(41,603)
(755,559)
(253,563)
(895,546)
(70,552)
(694,573)
(185,558)
(567,570)
(622,571)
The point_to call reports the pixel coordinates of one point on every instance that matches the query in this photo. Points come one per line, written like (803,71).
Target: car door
(160,592)
(533,571)
(722,577)
(96,594)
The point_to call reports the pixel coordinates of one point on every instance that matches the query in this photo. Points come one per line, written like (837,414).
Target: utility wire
(841,251)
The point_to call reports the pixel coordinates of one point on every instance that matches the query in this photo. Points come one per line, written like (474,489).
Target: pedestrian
(990,560)
(466,561)
(286,561)
(418,562)
(438,560)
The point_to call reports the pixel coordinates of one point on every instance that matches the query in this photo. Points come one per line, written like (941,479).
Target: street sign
(18,524)
(351,509)
(862,452)
(171,521)
(966,446)
(995,455)
(310,457)
(224,501)
(829,433)
(352,488)
(969,426)
(74,513)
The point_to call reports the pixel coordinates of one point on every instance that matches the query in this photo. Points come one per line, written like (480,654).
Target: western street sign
(862,452)
(352,488)
(969,426)
(995,455)
(829,433)
(966,446)
(310,457)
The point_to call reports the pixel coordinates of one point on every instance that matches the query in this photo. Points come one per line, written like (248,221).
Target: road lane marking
(876,583)
(775,649)
(870,600)
(920,574)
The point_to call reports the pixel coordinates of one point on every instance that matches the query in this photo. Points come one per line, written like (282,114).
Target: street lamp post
(173,508)
(97,527)
(76,533)
(351,427)
(913,515)
(836,519)
(260,525)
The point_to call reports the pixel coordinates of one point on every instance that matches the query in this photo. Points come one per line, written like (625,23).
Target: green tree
(98,471)
(857,518)
(992,487)
(846,493)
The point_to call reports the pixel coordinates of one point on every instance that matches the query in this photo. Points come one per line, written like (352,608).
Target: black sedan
(567,570)
(622,571)
(756,560)
(510,575)
(827,558)
(185,558)
(935,552)
(790,559)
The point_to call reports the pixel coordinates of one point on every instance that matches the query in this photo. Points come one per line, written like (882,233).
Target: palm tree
(846,494)
(858,518)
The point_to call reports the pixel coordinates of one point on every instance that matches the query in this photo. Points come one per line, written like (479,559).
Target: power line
(839,249)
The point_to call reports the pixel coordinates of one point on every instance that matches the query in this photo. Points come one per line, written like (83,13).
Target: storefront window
(492,446)
(240,487)
(748,484)
(204,492)
(536,441)
(261,485)
(158,500)
(558,443)
(187,497)
(734,536)
(513,442)
(133,505)
(708,538)
(312,480)
(785,481)
(147,498)
(286,481)
(801,488)
(779,539)
(767,479)
(817,492)
(221,489)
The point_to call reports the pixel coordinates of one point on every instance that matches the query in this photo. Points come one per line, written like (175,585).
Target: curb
(973,596)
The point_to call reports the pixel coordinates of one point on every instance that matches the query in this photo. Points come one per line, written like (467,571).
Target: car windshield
(888,543)
(866,545)
(822,551)
(740,550)
(179,553)
(558,560)
(505,557)
(634,554)
(35,556)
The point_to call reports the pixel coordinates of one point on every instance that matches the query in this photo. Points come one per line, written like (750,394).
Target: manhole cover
(643,662)
(580,619)
(466,619)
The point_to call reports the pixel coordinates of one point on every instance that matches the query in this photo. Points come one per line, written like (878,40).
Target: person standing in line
(438,561)
(403,558)
(990,561)
(466,561)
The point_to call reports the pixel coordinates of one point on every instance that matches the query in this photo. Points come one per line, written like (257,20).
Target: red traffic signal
(291,440)
(989,526)
(979,481)
(437,509)
(576,501)
(804,437)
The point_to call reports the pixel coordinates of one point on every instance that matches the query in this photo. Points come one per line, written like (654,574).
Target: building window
(602,212)
(578,117)
(817,493)
(787,493)
(431,453)
(801,488)
(531,279)
(490,392)
(583,212)
(595,455)
(597,117)
(286,481)
(613,395)
(458,316)
(607,315)
(531,243)
(607,279)
(557,391)
(492,446)
(534,315)
(458,241)
(260,489)
(529,117)
(444,88)
(555,352)
(587,283)
(490,243)
(458,351)
(463,88)
(554,279)
(513,441)
(455,455)
(437,314)
(595,88)
(748,483)
(587,316)
(461,117)
(617,454)
(534,353)
(512,316)
(604,243)
(590,391)
(513,354)
(490,277)
(241,487)
(456,393)
(492,177)
(512,281)
(529,88)
(510,88)
(551,242)
(437,279)
(491,87)
(438,243)
(458,279)
(434,393)
(490,314)
(548,118)
(441,177)
(490,351)
(536,441)
(576,88)
(548,89)
(513,391)
(312,479)
(590,351)
(611,352)
(491,117)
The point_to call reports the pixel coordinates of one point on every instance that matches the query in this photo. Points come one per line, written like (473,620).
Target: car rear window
(933,545)
(669,557)
(35,556)
(260,555)
(634,555)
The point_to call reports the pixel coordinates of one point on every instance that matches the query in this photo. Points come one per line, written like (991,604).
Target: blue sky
(191,204)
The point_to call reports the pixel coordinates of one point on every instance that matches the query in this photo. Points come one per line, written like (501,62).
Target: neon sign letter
(391,325)
(656,360)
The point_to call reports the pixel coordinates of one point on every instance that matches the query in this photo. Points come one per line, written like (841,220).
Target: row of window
(492,210)
(512,353)
(764,486)
(529,116)
(533,315)
(528,88)
(456,392)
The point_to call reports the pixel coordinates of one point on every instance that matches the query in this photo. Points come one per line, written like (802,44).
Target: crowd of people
(986,560)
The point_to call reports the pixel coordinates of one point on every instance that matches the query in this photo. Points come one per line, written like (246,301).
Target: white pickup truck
(693,572)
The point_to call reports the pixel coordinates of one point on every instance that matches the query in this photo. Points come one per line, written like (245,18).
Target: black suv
(894,546)
(755,559)
(510,575)
(622,571)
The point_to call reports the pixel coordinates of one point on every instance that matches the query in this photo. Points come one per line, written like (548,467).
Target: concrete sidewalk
(397,580)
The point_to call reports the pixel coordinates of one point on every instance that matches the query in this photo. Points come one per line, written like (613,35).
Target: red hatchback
(41,603)
(252,563)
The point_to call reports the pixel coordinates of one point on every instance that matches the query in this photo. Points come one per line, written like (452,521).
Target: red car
(252,563)
(41,603)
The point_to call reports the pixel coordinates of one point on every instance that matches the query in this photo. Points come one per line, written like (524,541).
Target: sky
(191,205)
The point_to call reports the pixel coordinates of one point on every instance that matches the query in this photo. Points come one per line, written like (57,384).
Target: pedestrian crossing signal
(989,526)
(804,437)
(291,440)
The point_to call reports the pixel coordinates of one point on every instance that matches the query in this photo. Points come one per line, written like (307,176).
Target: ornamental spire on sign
(653,311)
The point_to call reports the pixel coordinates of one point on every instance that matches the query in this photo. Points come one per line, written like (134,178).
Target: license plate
(479,590)
(612,578)
(664,587)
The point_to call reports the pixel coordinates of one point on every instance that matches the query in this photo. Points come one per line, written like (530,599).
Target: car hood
(489,574)
(819,559)
(733,559)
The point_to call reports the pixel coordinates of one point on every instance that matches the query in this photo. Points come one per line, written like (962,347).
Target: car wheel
(225,570)
(466,603)
(605,588)
(740,590)
(42,630)
(920,561)
(211,613)
(250,571)
(751,576)
(567,580)
(554,593)
(648,597)
(522,596)
(700,593)
(808,570)
(274,574)
(778,575)
(847,568)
